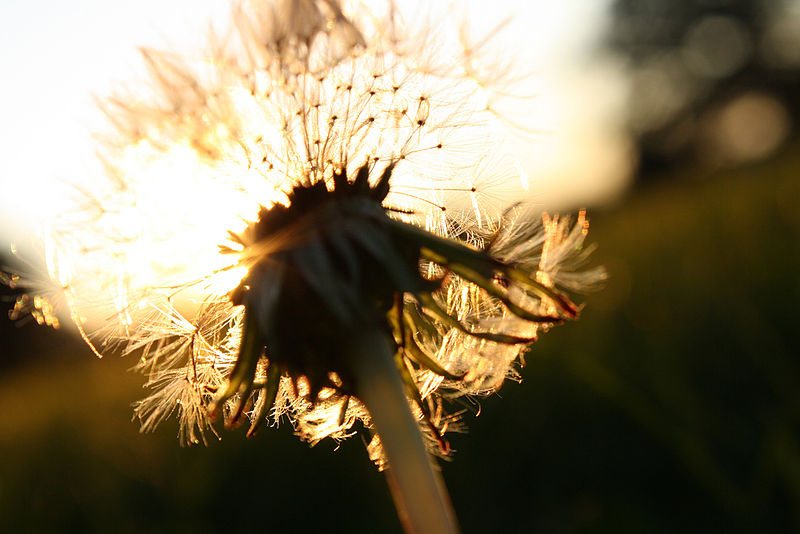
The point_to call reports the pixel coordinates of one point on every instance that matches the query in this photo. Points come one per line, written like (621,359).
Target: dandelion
(311,220)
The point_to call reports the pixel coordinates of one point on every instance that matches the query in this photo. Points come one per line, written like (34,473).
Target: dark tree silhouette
(691,62)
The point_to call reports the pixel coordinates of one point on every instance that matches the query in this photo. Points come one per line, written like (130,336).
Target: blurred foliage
(713,81)
(672,406)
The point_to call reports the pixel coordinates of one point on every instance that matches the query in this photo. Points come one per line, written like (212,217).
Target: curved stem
(419,493)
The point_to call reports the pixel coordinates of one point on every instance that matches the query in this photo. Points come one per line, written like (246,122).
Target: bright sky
(54,55)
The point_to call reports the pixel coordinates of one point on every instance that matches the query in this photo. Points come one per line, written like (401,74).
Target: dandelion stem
(420,496)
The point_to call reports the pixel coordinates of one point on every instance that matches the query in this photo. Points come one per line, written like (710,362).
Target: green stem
(417,487)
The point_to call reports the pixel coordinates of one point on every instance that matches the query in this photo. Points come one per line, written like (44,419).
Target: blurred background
(672,405)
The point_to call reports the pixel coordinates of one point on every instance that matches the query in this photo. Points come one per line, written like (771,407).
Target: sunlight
(551,39)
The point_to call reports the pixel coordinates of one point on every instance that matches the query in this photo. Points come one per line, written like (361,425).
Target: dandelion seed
(312,221)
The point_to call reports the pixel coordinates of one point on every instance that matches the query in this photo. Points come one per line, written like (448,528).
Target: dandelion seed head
(322,167)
